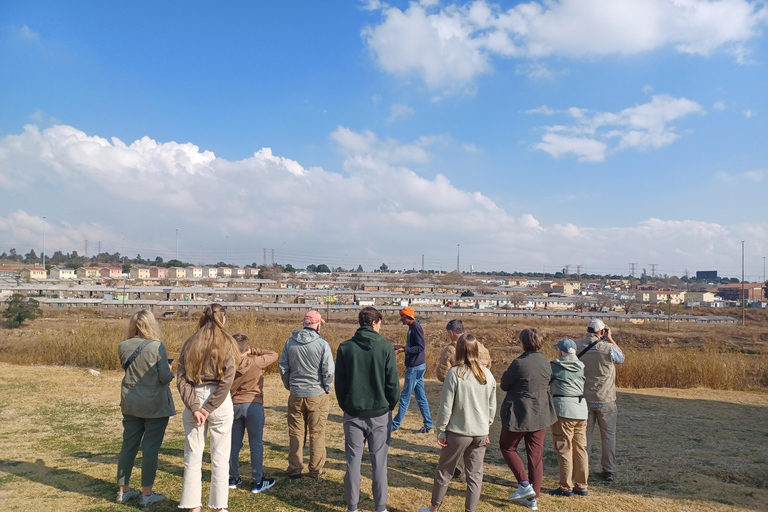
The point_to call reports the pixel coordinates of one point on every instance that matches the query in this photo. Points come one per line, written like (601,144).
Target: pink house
(158,272)
(111,272)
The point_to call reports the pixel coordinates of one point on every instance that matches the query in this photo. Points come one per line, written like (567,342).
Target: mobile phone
(170,361)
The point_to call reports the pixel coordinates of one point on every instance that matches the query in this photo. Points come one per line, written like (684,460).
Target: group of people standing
(220,381)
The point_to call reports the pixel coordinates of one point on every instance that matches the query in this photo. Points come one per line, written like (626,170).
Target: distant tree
(454,277)
(323,269)
(30,257)
(518,299)
(20,308)
(273,273)
(467,293)
(289,268)
(359,269)
(312,268)
(384,267)
(627,303)
(176,263)
(126,267)
(13,256)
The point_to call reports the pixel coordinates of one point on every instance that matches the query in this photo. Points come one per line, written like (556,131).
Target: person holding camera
(600,353)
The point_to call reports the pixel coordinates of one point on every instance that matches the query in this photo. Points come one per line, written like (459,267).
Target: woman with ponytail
(206,369)
(467,408)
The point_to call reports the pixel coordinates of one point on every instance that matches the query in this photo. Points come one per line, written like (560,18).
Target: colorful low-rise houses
(111,272)
(87,272)
(177,273)
(63,273)
(28,273)
(139,273)
(158,272)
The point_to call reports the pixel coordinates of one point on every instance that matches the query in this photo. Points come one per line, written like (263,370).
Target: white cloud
(749,113)
(24,33)
(447,47)
(757,175)
(719,105)
(399,111)
(535,70)
(647,88)
(94,188)
(593,134)
(470,148)
(723,176)
(544,110)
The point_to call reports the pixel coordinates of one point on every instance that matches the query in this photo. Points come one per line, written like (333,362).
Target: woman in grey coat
(146,404)
(526,413)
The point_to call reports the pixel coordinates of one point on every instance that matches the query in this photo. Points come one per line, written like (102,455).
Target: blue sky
(535,135)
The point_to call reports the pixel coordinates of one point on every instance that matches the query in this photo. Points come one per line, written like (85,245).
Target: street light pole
(743,312)
(177,244)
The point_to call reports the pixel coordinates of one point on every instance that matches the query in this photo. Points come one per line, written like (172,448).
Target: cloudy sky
(526,136)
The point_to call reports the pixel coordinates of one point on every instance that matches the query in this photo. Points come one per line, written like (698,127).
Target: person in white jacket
(466,412)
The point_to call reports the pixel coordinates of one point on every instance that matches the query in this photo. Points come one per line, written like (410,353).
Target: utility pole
(578,274)
(273,257)
(85,248)
(653,267)
(99,247)
(265,257)
(567,271)
(422,264)
(632,269)
(743,311)
(44,245)
(458,258)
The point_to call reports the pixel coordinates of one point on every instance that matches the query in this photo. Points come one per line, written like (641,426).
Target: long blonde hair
(210,348)
(143,325)
(467,353)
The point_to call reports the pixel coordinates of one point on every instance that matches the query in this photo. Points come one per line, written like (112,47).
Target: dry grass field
(693,450)
(693,422)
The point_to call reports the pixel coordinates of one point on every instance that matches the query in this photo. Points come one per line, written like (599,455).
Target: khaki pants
(307,415)
(605,418)
(471,450)
(569,438)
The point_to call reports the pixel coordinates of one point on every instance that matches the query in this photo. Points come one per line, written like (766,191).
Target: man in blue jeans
(415,366)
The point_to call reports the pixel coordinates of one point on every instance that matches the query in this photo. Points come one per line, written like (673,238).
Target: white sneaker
(530,503)
(522,492)
(151,499)
(125,497)
(425,509)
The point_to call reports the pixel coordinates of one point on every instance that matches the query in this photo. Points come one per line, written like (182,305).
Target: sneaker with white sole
(425,509)
(146,500)
(530,503)
(125,497)
(234,482)
(522,492)
(266,483)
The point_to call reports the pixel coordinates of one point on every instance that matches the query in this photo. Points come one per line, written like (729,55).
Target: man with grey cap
(569,432)
(306,367)
(600,353)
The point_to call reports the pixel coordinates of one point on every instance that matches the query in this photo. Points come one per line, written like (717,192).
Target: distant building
(252,271)
(706,275)
(140,273)
(210,272)
(664,296)
(177,273)
(224,272)
(699,298)
(111,272)
(194,272)
(752,291)
(238,272)
(85,272)
(62,273)
(158,272)
(28,273)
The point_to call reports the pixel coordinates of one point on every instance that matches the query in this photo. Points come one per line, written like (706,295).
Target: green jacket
(567,386)
(367,382)
(145,392)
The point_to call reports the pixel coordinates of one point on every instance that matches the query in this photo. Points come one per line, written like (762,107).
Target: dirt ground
(692,449)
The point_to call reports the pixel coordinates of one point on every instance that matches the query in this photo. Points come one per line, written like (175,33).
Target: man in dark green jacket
(367,389)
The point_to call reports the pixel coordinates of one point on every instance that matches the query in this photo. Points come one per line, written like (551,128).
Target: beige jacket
(600,387)
(448,358)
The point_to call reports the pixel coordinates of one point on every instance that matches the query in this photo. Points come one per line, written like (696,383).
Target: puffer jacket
(567,386)
(306,364)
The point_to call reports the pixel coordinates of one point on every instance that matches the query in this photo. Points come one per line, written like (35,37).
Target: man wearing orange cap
(306,367)
(415,366)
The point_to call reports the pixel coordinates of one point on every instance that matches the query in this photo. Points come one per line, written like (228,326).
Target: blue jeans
(414,383)
(248,417)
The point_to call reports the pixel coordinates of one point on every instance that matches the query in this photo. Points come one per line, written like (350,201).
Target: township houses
(86,272)
(177,273)
(140,273)
(517,282)
(252,271)
(224,272)
(158,272)
(111,272)
(238,272)
(752,291)
(664,296)
(62,273)
(700,297)
(211,272)
(194,272)
(33,273)
(562,288)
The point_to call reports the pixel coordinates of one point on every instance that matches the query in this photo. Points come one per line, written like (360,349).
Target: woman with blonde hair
(206,369)
(467,409)
(146,404)
(526,413)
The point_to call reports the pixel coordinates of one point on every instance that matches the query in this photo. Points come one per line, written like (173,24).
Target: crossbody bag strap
(588,348)
(135,354)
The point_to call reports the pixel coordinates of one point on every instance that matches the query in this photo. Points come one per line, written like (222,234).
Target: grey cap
(564,344)
(596,325)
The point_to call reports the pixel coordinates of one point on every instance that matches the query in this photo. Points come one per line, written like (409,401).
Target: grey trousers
(605,418)
(358,431)
(147,433)
(472,451)
(248,417)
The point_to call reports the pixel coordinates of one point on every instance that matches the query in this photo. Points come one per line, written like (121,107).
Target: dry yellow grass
(696,450)
(717,357)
